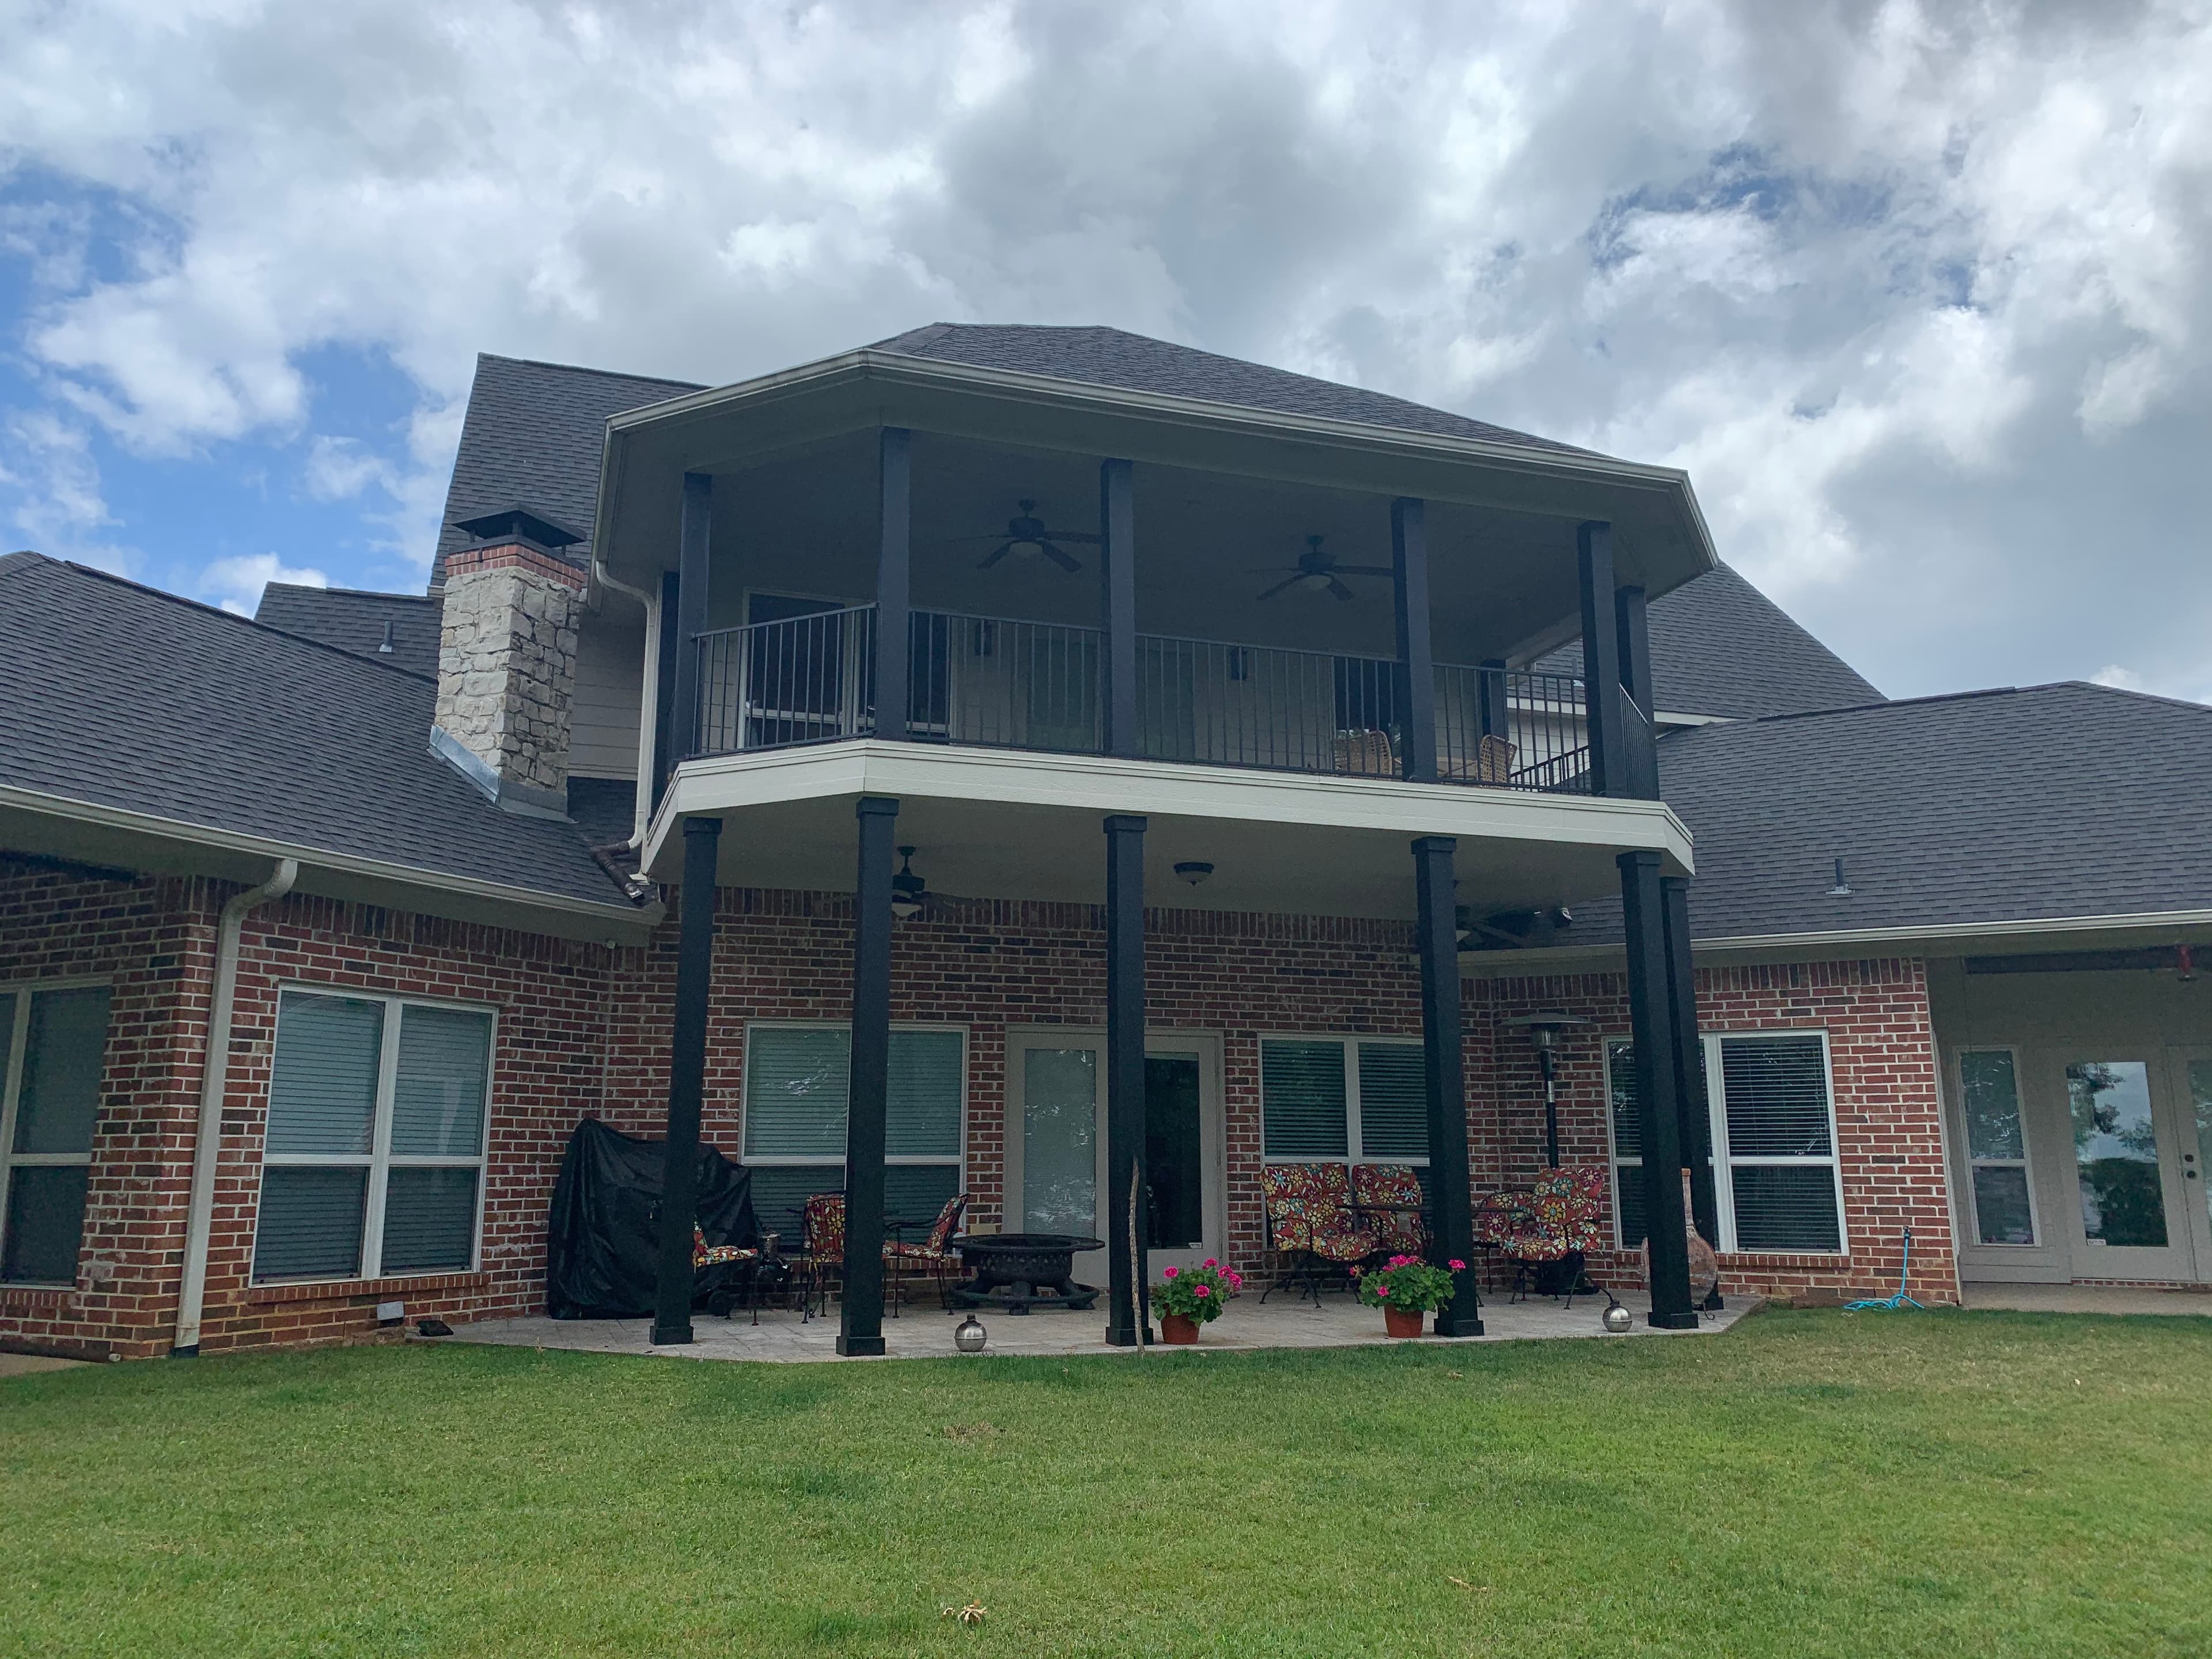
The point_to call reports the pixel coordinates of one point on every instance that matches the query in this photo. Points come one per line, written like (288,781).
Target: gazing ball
(972,1335)
(1616,1318)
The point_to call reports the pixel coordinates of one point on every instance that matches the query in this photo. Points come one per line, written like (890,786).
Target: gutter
(214,1075)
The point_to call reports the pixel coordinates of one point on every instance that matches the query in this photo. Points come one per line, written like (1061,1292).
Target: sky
(1917,293)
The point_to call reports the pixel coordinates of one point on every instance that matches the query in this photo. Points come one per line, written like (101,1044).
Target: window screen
(1394,1102)
(1989,1099)
(1781,1143)
(1302,1104)
(796,1078)
(45,1151)
(322,1088)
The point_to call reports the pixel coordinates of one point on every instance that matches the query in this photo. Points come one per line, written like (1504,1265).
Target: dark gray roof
(354,620)
(533,434)
(1721,647)
(126,697)
(1136,362)
(2022,804)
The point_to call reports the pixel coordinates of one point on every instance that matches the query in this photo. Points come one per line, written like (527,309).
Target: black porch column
(694,537)
(1417,674)
(1658,1105)
(1125,1078)
(892,581)
(1601,655)
(1436,927)
(1697,1139)
(1117,577)
(687,1081)
(860,1319)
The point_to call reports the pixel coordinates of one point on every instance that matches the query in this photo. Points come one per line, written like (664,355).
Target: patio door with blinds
(1056,1176)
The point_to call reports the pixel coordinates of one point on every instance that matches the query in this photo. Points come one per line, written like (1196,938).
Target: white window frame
(381,1160)
(1353,1144)
(958,1162)
(1725,1161)
(2024,1162)
(12,1090)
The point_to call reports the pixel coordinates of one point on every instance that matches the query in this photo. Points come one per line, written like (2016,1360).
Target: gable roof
(354,619)
(126,698)
(2043,803)
(1721,647)
(533,434)
(1137,363)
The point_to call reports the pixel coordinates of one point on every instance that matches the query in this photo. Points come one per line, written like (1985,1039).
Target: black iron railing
(993,682)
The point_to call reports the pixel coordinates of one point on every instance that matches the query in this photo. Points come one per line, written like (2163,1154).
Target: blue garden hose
(1891,1304)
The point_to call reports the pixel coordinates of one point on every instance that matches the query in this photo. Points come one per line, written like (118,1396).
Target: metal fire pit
(1018,1272)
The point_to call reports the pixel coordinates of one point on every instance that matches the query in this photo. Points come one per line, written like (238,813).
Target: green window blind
(44,1224)
(796,1078)
(1302,1100)
(430,1220)
(63,1058)
(1394,1102)
(312,1220)
(322,1087)
(1627,1142)
(923,1111)
(438,1097)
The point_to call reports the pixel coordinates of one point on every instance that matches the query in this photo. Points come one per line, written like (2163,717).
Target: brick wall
(1881,1051)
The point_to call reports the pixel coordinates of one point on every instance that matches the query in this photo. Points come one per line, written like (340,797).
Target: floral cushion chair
(1309,1220)
(934,1255)
(1386,1200)
(704,1254)
(822,1227)
(1561,1216)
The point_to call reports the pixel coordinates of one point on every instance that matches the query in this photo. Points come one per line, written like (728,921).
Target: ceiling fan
(1316,572)
(1026,536)
(909,892)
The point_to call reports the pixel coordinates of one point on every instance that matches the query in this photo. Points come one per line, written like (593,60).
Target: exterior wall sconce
(1545,1031)
(1193,872)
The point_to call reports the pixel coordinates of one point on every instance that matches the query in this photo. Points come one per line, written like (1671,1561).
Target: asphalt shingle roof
(354,620)
(1721,647)
(533,435)
(2025,804)
(130,698)
(1136,362)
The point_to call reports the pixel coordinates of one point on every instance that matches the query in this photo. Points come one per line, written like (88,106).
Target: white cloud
(236,583)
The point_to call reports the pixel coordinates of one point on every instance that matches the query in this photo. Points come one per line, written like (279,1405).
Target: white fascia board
(1945,939)
(567,917)
(1099,783)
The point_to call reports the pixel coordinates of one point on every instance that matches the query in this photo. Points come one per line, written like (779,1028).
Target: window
(1343,1100)
(53,1046)
(796,1078)
(373,1162)
(1773,1130)
(1996,1151)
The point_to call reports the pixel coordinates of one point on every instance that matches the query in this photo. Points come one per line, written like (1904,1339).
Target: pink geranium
(1458,1266)
(1200,1290)
(1209,1262)
(1169,1272)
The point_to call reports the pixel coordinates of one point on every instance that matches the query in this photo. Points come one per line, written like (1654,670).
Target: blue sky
(1915,293)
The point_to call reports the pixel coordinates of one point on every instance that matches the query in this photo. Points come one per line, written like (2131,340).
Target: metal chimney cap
(517,523)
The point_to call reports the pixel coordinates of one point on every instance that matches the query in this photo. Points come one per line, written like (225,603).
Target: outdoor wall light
(1545,1031)
(1193,872)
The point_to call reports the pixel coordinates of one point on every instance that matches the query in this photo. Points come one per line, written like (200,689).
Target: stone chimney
(506,660)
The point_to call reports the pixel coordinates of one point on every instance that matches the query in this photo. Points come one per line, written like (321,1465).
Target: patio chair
(822,1253)
(1365,754)
(1543,1231)
(1386,1200)
(1309,1221)
(934,1255)
(1491,762)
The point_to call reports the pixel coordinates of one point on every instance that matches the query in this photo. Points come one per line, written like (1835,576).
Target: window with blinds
(796,1078)
(1997,1150)
(373,1161)
(1343,1100)
(1627,1142)
(49,1106)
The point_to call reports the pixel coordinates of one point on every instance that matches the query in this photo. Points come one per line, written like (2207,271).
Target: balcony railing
(993,683)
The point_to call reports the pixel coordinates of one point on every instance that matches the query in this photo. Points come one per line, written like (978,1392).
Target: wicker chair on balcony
(1491,762)
(1365,754)
(1311,1224)
(933,1256)
(1386,1200)
(1543,1231)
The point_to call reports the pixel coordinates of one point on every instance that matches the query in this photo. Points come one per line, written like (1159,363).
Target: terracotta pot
(1402,1321)
(1178,1329)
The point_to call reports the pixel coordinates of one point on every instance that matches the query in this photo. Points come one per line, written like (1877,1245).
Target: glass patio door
(1056,1177)
(2130,1173)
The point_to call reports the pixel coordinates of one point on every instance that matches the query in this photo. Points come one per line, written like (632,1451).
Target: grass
(1948,1483)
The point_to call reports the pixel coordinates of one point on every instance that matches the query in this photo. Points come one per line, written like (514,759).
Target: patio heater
(1544,1030)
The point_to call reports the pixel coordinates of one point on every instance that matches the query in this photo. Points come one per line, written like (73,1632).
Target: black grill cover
(602,1244)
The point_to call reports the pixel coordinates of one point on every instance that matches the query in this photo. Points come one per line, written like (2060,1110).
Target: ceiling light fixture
(1193,872)
(907,890)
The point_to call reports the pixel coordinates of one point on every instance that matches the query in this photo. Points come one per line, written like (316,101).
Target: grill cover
(602,1238)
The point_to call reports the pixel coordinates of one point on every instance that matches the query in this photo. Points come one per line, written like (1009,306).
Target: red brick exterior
(513,555)
(584,1029)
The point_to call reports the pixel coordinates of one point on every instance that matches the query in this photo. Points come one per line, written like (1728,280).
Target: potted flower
(1184,1301)
(1405,1289)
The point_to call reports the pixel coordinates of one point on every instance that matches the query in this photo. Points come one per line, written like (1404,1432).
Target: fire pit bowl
(1018,1272)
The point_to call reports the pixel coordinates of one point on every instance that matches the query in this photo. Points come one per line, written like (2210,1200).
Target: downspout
(215,1074)
(651,603)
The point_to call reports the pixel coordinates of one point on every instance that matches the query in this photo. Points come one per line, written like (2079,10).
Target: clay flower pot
(1178,1329)
(1402,1321)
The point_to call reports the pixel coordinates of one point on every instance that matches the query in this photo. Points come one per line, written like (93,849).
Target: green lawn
(1812,1483)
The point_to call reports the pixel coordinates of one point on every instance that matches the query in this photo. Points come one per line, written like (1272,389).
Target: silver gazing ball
(972,1335)
(1616,1318)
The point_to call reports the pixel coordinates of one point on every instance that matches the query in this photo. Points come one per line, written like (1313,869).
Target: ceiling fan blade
(1362,570)
(997,554)
(1073,536)
(1339,589)
(1060,558)
(1281,584)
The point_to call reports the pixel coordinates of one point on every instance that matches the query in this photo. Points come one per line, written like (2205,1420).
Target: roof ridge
(358,593)
(1886,702)
(585,368)
(163,593)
